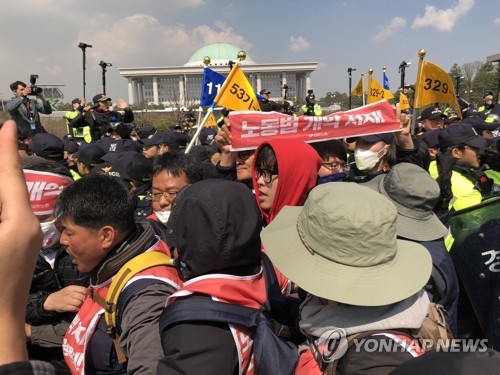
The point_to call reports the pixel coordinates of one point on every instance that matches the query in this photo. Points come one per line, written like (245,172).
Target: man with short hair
(25,107)
(171,172)
(95,216)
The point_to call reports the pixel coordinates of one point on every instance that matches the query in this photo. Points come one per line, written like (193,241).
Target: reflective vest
(317,110)
(494,175)
(79,334)
(82,133)
(464,191)
(248,291)
(75,174)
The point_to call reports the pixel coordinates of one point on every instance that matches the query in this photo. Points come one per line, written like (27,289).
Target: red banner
(250,128)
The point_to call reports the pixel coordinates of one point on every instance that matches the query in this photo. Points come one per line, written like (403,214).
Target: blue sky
(41,37)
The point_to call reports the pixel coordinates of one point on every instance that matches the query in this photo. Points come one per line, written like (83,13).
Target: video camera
(35,90)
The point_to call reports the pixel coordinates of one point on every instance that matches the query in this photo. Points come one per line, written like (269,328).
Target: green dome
(219,53)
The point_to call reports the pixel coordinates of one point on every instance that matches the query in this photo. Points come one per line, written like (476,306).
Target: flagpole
(206,62)
(421,55)
(370,73)
(241,56)
(363,87)
(200,127)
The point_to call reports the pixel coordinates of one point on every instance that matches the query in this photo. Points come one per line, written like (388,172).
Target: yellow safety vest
(77,132)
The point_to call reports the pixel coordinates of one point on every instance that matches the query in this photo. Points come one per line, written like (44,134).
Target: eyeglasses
(156,196)
(333,166)
(266,174)
(245,155)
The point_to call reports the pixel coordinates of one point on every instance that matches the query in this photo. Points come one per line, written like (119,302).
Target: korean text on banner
(250,129)
(376,92)
(434,86)
(237,93)
(211,84)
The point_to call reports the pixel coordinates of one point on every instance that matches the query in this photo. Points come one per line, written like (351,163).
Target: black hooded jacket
(216,225)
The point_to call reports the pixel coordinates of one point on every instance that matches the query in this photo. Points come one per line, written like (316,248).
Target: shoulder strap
(129,270)
(204,309)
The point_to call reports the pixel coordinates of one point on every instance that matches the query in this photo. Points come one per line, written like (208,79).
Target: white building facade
(181,85)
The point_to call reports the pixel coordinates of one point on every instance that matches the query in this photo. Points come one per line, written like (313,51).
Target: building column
(130,86)
(308,81)
(140,87)
(283,82)
(136,91)
(181,91)
(155,90)
(259,82)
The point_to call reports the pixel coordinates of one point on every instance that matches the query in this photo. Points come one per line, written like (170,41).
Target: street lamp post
(83,47)
(349,71)
(103,66)
(401,70)
(457,88)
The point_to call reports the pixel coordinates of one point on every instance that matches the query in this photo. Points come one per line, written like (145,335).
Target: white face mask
(366,159)
(163,216)
(50,234)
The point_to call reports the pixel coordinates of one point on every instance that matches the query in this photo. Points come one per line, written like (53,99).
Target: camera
(35,90)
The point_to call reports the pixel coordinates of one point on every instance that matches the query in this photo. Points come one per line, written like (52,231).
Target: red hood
(298,165)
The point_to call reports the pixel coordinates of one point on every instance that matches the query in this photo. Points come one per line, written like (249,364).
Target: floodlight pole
(349,71)
(83,47)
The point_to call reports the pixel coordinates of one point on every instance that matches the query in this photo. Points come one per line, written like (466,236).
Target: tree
(456,75)
(485,80)
(469,71)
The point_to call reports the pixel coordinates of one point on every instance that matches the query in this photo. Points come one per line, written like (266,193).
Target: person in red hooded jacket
(284,171)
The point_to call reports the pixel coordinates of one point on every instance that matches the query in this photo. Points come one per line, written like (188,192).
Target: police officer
(78,132)
(101,117)
(267,105)
(311,108)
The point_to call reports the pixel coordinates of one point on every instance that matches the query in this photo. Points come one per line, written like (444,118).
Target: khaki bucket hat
(414,193)
(342,246)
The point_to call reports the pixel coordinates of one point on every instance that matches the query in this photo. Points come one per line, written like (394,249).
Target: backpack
(434,330)
(275,324)
(112,305)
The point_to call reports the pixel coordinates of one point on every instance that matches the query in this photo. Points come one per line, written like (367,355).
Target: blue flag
(210,86)
(386,82)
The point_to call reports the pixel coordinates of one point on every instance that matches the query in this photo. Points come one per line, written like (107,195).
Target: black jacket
(46,281)
(99,121)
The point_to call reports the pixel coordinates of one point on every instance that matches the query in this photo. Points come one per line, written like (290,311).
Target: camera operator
(310,108)
(101,116)
(26,105)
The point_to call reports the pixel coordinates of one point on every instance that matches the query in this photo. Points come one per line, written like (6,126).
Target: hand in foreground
(20,241)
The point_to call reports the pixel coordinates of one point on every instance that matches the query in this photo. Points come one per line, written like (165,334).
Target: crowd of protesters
(337,240)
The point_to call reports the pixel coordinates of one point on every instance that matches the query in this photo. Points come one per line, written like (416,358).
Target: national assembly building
(181,85)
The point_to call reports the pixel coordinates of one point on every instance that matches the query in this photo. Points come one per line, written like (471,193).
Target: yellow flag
(404,104)
(210,121)
(434,85)
(377,92)
(236,93)
(360,88)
